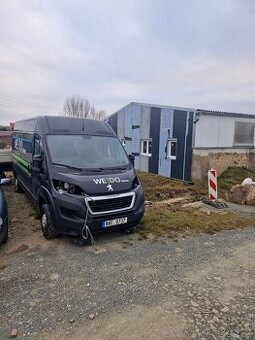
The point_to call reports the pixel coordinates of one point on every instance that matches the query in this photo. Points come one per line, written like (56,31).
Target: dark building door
(154,135)
(182,132)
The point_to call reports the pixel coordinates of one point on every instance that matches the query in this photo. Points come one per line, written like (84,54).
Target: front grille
(106,204)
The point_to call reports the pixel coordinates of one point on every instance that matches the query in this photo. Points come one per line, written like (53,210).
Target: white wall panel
(216,131)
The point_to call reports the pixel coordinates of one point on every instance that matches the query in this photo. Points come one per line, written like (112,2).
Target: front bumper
(70,212)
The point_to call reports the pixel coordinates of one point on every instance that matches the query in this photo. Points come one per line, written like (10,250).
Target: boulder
(242,194)
(247,181)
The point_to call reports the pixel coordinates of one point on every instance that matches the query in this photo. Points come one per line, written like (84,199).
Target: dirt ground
(200,287)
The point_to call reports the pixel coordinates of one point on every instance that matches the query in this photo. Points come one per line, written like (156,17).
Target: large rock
(242,194)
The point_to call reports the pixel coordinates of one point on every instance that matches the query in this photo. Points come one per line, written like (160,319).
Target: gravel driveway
(197,288)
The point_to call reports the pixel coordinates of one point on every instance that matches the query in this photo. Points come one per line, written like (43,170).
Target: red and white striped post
(212,184)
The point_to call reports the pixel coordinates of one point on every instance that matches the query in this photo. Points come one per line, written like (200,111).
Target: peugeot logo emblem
(109,187)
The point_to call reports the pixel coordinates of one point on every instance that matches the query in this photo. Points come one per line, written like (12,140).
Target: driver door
(36,172)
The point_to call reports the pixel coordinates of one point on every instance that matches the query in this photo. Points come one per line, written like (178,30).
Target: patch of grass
(35,213)
(234,175)
(176,221)
(158,188)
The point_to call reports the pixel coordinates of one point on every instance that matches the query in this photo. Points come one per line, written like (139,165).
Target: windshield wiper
(120,168)
(67,166)
(113,168)
(94,169)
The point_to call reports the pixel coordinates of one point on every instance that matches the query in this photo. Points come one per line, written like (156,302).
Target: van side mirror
(37,163)
(132,159)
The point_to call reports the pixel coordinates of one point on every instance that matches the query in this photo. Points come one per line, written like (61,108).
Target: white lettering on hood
(110,180)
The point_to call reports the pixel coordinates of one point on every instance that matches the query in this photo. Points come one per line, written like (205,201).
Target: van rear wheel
(5,239)
(18,187)
(48,228)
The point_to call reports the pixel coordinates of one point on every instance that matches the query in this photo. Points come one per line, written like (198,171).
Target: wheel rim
(44,221)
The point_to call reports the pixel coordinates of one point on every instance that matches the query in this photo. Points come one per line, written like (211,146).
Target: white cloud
(186,53)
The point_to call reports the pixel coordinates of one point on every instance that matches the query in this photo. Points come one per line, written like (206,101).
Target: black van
(78,175)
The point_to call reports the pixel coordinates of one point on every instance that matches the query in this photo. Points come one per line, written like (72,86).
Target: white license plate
(111,223)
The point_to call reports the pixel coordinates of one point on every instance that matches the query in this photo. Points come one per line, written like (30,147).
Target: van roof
(64,125)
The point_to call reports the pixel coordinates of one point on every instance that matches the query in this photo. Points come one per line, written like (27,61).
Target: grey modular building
(184,143)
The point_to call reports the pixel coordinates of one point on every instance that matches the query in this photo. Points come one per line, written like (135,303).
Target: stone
(242,194)
(72,320)
(215,311)
(217,278)
(194,304)
(247,181)
(91,316)
(225,309)
(14,333)
(54,276)
(216,319)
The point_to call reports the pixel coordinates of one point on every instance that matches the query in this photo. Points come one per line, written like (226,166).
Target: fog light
(66,186)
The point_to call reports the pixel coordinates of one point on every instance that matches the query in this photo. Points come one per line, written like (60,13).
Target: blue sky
(187,53)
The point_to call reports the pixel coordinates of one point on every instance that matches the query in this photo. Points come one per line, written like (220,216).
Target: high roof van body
(78,175)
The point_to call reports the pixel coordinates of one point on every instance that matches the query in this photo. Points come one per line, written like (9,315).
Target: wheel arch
(44,197)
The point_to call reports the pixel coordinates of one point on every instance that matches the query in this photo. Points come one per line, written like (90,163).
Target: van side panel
(22,157)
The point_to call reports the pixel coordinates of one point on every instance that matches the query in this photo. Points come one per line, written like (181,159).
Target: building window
(244,133)
(172,149)
(146,147)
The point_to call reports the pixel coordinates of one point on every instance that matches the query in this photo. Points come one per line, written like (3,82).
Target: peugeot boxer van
(78,175)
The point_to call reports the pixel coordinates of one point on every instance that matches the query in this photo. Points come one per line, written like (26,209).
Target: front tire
(48,228)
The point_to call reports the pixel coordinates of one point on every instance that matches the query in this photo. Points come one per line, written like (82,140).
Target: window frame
(37,137)
(169,149)
(236,144)
(148,147)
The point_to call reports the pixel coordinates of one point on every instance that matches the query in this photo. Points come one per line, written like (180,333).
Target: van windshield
(87,152)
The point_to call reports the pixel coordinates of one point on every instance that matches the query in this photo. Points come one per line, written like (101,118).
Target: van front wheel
(48,228)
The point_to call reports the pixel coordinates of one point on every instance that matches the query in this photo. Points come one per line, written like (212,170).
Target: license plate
(111,223)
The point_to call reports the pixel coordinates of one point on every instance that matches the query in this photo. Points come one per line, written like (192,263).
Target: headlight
(61,187)
(1,221)
(135,183)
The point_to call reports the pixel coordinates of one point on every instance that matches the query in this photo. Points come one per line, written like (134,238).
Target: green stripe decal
(21,163)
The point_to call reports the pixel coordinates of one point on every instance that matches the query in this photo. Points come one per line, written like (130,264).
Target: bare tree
(100,115)
(76,106)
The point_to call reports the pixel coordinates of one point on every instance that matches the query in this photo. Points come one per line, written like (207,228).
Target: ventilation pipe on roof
(197,116)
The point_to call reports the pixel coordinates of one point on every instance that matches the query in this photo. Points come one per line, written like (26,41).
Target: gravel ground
(197,288)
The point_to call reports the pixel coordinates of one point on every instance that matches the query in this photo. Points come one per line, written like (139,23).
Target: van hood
(99,183)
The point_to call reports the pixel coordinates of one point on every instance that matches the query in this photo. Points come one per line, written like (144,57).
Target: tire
(2,174)
(48,228)
(18,187)
(6,234)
